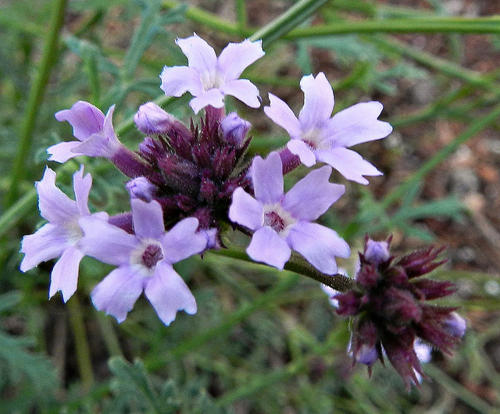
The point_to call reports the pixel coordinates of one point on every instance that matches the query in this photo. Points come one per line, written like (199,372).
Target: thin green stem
(81,342)
(35,98)
(297,265)
(241,14)
(441,155)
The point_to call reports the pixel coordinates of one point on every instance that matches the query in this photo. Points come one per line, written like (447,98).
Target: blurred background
(263,341)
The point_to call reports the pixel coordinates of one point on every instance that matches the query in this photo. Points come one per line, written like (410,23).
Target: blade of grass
(35,98)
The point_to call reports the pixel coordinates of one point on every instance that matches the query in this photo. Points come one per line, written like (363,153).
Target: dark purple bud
(433,289)
(349,303)
(376,252)
(368,275)
(455,325)
(129,163)
(224,161)
(421,262)
(208,190)
(234,129)
(141,188)
(151,119)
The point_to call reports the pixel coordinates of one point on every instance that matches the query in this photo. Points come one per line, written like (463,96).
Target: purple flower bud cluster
(391,311)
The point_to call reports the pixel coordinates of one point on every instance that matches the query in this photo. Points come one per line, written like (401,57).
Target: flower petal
(301,149)
(63,152)
(281,114)
(313,195)
(84,117)
(64,276)
(201,56)
(177,80)
(266,246)
(168,293)
(237,56)
(244,90)
(147,219)
(357,124)
(47,243)
(105,242)
(318,101)
(212,97)
(349,163)
(81,186)
(246,210)
(54,205)
(267,178)
(318,244)
(183,241)
(118,292)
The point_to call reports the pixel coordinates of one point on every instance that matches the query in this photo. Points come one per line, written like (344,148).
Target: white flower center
(146,256)
(212,79)
(314,138)
(278,219)
(73,231)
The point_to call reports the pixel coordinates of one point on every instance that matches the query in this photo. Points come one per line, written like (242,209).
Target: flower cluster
(390,304)
(190,183)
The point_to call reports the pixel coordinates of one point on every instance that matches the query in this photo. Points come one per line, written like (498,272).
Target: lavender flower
(209,78)
(391,310)
(144,261)
(282,222)
(234,129)
(96,137)
(61,236)
(151,119)
(141,188)
(95,133)
(317,137)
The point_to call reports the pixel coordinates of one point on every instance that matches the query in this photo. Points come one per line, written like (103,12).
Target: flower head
(282,222)
(208,77)
(62,235)
(95,133)
(144,261)
(315,136)
(389,303)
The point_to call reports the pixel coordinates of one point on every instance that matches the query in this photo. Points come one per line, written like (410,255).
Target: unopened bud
(151,119)
(376,252)
(456,325)
(234,129)
(366,355)
(141,188)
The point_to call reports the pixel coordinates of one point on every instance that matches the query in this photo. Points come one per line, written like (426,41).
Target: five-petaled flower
(317,137)
(61,236)
(208,77)
(282,222)
(144,261)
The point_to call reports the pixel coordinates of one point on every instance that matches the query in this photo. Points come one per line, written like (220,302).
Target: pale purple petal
(302,150)
(147,219)
(246,210)
(47,243)
(267,178)
(81,186)
(84,117)
(63,152)
(54,205)
(212,97)
(267,247)
(423,351)
(237,56)
(234,129)
(101,144)
(349,163)
(376,252)
(64,276)
(201,56)
(177,80)
(183,241)
(331,295)
(152,119)
(244,90)
(168,293)
(105,242)
(118,292)
(357,124)
(318,244)
(318,101)
(281,114)
(313,195)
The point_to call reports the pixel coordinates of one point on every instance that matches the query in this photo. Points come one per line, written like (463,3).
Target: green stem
(81,342)
(297,265)
(35,99)
(441,155)
(241,14)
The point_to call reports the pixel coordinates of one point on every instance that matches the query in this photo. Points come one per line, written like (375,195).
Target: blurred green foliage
(263,341)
